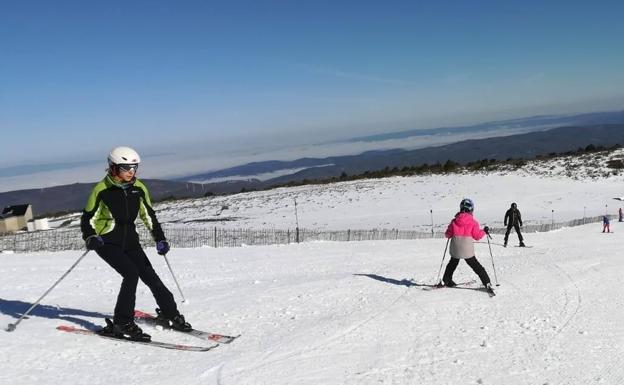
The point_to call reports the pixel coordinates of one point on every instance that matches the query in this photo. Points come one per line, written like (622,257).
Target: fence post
(215,237)
(431,212)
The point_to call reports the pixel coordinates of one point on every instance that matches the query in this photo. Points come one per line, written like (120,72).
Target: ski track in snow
(339,313)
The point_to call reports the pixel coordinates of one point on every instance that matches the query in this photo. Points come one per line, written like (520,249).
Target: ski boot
(177,323)
(505,244)
(128,331)
(489,289)
(450,283)
(522,244)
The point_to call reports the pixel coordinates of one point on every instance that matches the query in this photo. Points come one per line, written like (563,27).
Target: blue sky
(79,77)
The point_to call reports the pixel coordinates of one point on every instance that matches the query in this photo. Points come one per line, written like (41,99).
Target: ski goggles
(128,167)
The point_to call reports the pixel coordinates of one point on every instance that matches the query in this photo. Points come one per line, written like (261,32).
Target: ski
(439,286)
(459,285)
(158,344)
(150,319)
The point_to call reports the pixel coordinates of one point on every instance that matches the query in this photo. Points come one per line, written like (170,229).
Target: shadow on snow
(15,309)
(403,282)
(425,286)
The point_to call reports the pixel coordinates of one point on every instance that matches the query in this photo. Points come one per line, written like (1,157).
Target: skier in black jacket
(513,219)
(108,227)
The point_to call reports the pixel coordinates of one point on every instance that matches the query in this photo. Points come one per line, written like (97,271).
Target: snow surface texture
(335,313)
(346,313)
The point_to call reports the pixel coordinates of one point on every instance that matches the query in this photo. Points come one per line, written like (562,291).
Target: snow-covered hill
(335,313)
(345,313)
(557,189)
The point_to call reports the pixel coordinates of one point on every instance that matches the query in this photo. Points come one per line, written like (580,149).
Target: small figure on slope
(513,219)
(621,215)
(605,224)
(462,231)
(108,227)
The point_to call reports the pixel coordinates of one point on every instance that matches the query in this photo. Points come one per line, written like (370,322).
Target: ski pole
(442,262)
(174,278)
(11,327)
(492,256)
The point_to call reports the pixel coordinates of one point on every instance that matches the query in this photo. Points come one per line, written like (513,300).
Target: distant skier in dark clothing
(605,224)
(462,231)
(513,219)
(621,215)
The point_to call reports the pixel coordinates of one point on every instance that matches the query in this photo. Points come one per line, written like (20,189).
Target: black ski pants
(132,265)
(474,265)
(517,227)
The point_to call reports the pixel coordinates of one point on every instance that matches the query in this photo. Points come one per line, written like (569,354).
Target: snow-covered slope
(559,189)
(336,313)
(345,313)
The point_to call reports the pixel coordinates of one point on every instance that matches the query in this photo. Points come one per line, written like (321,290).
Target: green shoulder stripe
(101,186)
(140,185)
(145,208)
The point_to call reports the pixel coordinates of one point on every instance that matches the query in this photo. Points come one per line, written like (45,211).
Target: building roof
(14,211)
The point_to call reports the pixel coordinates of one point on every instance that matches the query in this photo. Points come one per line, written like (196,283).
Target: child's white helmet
(123,155)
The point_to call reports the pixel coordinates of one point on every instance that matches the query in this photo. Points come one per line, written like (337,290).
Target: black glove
(487,230)
(94,242)
(162,247)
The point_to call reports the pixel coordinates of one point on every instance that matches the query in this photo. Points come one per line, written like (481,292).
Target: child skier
(462,230)
(107,225)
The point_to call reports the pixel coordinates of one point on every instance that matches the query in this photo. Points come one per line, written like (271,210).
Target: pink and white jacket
(462,230)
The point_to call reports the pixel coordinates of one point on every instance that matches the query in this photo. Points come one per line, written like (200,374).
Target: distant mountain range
(528,145)
(374,159)
(521,125)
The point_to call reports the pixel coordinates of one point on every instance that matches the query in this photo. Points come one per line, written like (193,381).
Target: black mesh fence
(71,239)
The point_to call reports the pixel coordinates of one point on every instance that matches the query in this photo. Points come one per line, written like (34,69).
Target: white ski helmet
(123,155)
